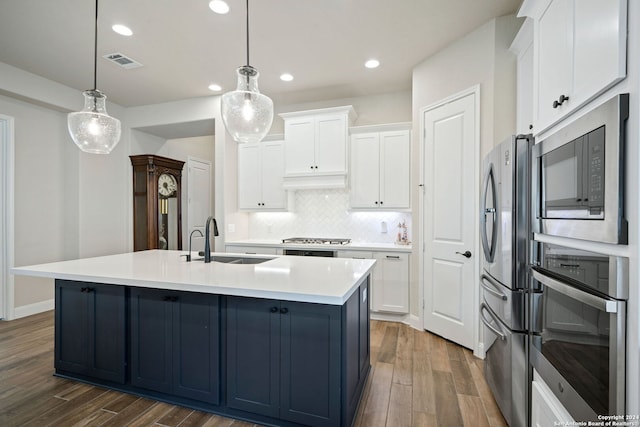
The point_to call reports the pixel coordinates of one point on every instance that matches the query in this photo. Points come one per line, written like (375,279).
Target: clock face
(167,185)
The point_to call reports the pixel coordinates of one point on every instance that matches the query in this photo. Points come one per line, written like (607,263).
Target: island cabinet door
(175,343)
(196,347)
(151,316)
(90,330)
(310,351)
(253,355)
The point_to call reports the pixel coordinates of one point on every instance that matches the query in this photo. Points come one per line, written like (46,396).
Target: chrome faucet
(207,244)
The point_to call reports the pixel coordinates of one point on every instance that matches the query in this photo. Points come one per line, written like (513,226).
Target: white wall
(371,110)
(46,194)
(481,57)
(69,204)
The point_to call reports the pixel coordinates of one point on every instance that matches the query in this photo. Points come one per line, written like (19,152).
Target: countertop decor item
(247,114)
(403,236)
(92,129)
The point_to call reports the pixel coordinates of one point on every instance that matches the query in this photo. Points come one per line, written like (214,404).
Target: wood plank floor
(417,379)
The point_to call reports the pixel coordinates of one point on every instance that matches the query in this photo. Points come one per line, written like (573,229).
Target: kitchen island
(281,342)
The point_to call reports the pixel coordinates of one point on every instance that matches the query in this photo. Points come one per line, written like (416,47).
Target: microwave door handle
(494,289)
(498,332)
(602,304)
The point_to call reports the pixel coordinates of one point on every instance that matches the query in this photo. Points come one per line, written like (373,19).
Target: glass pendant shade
(92,129)
(247,114)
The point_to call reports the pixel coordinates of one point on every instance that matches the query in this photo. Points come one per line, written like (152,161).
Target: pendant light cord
(247,32)
(95,51)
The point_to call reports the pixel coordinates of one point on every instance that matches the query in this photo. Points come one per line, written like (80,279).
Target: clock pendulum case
(157,210)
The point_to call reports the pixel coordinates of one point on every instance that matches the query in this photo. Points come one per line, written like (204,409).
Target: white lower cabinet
(546,409)
(356,254)
(390,280)
(390,290)
(263,250)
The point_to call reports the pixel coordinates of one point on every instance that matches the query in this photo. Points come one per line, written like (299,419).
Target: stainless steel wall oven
(578,177)
(578,328)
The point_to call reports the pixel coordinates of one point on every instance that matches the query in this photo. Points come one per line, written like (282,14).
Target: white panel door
(199,201)
(451,191)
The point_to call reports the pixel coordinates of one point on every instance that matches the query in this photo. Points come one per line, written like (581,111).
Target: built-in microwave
(578,177)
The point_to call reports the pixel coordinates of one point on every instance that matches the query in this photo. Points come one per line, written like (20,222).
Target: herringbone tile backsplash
(325,213)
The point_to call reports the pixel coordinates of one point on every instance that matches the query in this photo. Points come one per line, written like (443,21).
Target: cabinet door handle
(284,310)
(393,257)
(380,201)
(273,309)
(376,202)
(560,101)
(86,290)
(316,167)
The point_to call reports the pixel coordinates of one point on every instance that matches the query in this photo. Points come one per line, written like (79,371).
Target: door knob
(465,254)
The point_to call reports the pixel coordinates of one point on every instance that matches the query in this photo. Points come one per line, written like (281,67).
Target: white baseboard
(35,308)
(480,353)
(407,319)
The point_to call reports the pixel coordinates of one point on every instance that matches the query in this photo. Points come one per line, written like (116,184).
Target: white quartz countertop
(291,278)
(353,246)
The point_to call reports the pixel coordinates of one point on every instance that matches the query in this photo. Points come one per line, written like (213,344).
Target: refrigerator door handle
(498,332)
(489,248)
(494,289)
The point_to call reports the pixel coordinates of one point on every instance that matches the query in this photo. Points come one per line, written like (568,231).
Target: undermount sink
(239,260)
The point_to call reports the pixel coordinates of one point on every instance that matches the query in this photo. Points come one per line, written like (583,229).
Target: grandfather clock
(157,211)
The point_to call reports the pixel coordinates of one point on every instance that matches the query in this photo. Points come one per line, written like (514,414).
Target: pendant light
(92,129)
(247,114)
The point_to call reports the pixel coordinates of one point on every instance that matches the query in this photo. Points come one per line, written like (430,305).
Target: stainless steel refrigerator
(505,233)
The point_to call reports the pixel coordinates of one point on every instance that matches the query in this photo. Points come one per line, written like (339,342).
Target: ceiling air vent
(123,61)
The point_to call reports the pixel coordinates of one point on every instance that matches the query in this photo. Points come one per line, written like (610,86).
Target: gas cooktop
(317,240)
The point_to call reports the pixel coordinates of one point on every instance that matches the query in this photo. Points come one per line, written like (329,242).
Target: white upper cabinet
(260,172)
(316,147)
(522,47)
(380,176)
(579,52)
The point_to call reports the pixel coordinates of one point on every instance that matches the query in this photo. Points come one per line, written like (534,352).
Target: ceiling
(184,46)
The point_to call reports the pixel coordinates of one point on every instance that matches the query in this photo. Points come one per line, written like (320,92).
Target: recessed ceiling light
(372,63)
(123,30)
(219,6)
(286,77)
(215,88)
